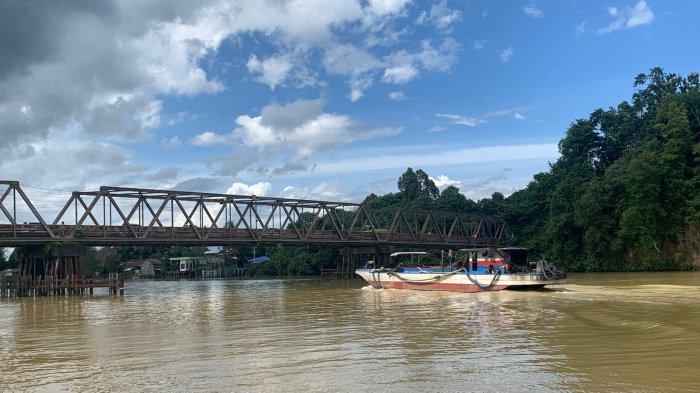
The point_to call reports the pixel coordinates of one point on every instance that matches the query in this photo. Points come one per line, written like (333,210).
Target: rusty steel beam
(246,219)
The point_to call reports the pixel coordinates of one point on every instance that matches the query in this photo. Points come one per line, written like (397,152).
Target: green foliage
(624,193)
(3,260)
(295,261)
(101,261)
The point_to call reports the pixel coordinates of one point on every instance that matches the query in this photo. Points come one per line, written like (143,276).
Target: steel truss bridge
(114,216)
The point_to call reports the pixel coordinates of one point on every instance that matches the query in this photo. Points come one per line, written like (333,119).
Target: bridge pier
(357,257)
(55,271)
(57,261)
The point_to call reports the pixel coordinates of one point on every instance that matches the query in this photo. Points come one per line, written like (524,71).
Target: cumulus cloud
(355,63)
(257,189)
(400,67)
(443,181)
(303,127)
(440,15)
(96,74)
(397,96)
(438,58)
(400,74)
(208,138)
(384,7)
(80,164)
(533,11)
(272,71)
(101,66)
(627,18)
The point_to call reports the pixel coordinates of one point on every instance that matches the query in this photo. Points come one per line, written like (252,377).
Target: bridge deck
(34,234)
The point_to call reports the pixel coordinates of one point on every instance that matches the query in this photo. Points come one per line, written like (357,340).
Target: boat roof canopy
(396,254)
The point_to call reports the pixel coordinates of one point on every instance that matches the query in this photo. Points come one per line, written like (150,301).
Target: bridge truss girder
(138,216)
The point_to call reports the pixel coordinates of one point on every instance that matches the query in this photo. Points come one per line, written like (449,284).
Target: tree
(426,185)
(409,185)
(3,260)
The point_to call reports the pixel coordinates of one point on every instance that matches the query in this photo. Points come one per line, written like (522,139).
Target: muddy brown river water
(599,332)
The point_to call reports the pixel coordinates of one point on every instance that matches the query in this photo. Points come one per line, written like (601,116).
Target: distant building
(142,267)
(215,264)
(187,264)
(214,258)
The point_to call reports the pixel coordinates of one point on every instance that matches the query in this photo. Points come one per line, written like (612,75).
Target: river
(599,332)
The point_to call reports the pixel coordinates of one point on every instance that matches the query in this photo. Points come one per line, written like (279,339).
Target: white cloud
(436,128)
(360,66)
(355,63)
(480,44)
(473,121)
(303,127)
(208,138)
(327,190)
(504,112)
(349,60)
(639,15)
(580,29)
(532,10)
(272,71)
(66,161)
(257,189)
(463,120)
(506,54)
(440,16)
(443,181)
(171,143)
(397,96)
(103,67)
(384,7)
(439,58)
(400,74)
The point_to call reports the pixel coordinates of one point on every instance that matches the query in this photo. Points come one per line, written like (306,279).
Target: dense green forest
(623,195)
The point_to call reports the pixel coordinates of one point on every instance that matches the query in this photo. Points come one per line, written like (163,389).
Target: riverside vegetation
(622,196)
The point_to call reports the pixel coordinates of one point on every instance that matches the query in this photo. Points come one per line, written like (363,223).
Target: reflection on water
(615,332)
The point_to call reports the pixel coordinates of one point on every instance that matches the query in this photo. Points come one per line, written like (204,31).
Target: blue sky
(316,99)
